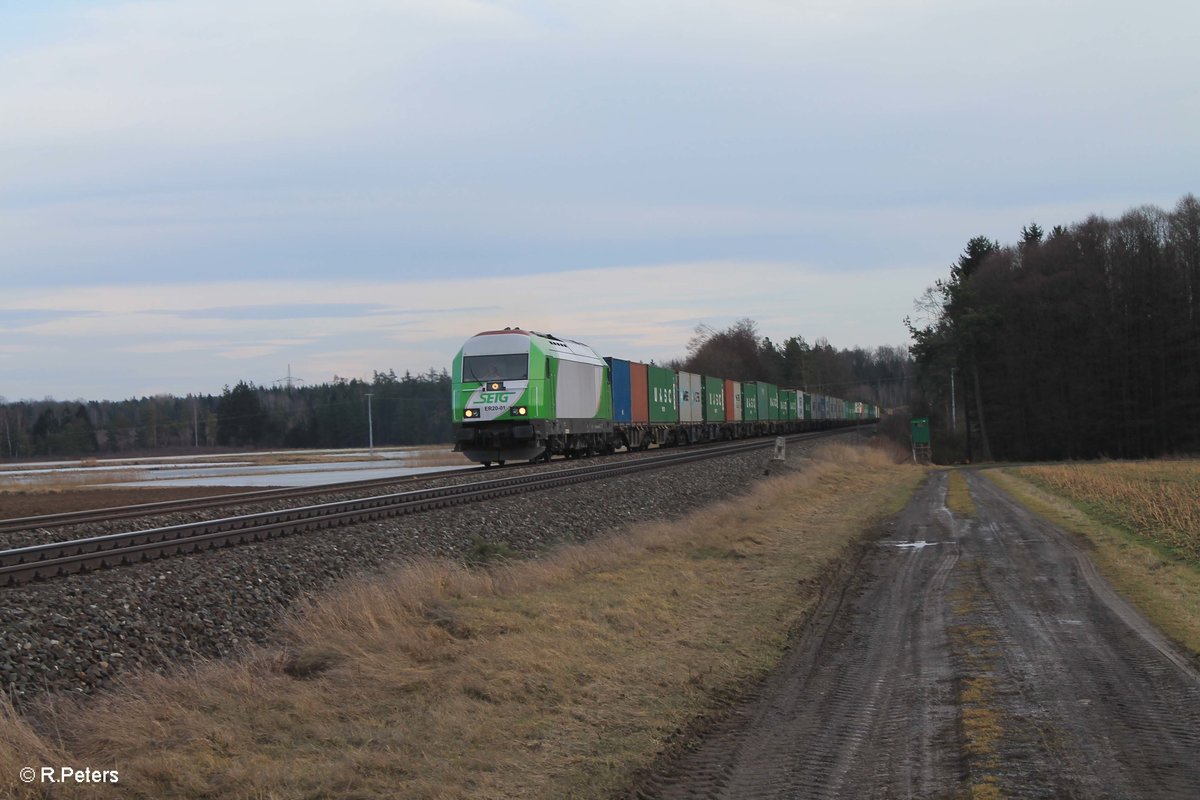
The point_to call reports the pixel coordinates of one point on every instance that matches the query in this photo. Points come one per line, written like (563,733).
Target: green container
(789,408)
(714,399)
(806,412)
(750,405)
(663,387)
(769,399)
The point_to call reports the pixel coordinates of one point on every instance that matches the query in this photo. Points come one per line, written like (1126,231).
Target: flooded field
(275,468)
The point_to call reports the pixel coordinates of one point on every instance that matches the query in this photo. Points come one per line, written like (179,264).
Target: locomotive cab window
(513,367)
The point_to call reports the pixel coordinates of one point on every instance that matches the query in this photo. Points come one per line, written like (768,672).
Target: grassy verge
(559,677)
(958,496)
(1164,585)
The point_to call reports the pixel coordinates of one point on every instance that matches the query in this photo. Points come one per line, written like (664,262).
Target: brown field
(557,677)
(1158,501)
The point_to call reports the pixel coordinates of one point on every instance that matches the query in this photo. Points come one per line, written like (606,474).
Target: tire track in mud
(864,703)
(961,657)
(1097,702)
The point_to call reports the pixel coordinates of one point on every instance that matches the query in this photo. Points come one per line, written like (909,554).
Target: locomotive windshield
(514,367)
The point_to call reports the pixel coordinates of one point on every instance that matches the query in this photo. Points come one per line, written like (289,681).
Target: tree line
(411,409)
(1077,343)
(881,376)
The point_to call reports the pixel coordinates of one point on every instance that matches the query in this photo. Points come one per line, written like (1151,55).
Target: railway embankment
(81,632)
(646,607)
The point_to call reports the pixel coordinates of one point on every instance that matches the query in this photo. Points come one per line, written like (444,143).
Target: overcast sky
(196,192)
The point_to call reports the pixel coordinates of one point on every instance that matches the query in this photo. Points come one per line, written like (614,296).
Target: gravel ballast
(76,634)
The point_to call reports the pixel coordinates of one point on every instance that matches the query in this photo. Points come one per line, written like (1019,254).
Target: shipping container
(820,407)
(714,399)
(750,401)
(639,393)
(805,411)
(663,393)
(618,372)
(691,397)
(733,401)
(768,400)
(787,409)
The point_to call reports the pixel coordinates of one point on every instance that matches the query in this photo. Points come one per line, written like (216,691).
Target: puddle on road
(914,545)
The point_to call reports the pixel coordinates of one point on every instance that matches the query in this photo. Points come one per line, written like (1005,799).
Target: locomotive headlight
(520,411)
(495,386)
(469,413)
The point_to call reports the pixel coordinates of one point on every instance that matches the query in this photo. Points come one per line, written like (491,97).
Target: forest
(412,409)
(407,410)
(882,375)
(1080,342)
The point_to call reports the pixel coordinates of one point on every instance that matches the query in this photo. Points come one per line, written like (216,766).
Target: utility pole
(195,425)
(953,405)
(370,425)
(289,382)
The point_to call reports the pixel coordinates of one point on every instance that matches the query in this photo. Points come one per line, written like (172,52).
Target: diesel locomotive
(522,396)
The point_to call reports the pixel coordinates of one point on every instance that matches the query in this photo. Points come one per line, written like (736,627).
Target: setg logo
(491,400)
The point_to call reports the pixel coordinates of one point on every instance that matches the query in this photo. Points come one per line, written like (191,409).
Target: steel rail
(50,560)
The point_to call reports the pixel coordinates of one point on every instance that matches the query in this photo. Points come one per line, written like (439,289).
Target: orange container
(733,401)
(639,394)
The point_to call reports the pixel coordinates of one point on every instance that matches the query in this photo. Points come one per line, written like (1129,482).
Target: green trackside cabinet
(919,430)
(663,387)
(714,399)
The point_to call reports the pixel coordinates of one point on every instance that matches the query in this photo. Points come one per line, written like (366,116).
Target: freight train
(522,396)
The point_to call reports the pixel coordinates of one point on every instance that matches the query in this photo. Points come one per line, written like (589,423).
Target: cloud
(351,328)
(197,186)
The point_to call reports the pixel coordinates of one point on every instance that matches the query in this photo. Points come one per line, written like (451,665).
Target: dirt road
(964,658)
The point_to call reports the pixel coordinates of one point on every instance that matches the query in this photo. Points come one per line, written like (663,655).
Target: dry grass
(1158,500)
(437,457)
(20,748)
(958,496)
(559,677)
(61,482)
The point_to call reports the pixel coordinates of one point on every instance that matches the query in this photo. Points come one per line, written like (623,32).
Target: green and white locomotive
(523,395)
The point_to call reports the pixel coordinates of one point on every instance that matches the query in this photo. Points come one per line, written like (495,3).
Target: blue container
(618,370)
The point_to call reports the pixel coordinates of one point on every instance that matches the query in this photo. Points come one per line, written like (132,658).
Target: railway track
(55,559)
(49,521)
